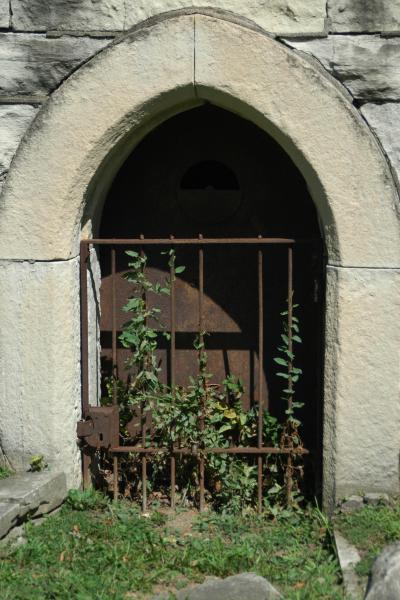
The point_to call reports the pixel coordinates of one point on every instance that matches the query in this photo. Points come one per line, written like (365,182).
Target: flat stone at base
(348,558)
(246,586)
(351,504)
(376,499)
(9,514)
(35,493)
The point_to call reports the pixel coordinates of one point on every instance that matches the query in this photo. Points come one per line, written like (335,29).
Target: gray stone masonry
(29,494)
(285,17)
(35,65)
(368,65)
(14,121)
(4,14)
(364,15)
(384,120)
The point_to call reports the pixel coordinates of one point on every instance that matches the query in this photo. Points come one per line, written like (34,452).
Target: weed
(114,553)
(37,463)
(5,472)
(200,414)
(86,500)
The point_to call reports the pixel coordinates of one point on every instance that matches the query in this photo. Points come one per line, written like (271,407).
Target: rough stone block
(384,119)
(384,583)
(364,15)
(34,493)
(363,343)
(31,64)
(4,14)
(86,15)
(14,121)
(40,364)
(368,65)
(286,17)
(237,587)
(9,514)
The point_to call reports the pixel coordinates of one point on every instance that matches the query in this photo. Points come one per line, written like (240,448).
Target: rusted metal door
(199,302)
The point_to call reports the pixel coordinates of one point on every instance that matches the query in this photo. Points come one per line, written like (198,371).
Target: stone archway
(62,172)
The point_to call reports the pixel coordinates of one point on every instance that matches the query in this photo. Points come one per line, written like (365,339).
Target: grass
(370,529)
(5,472)
(111,552)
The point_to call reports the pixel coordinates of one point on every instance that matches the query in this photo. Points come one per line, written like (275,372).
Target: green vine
(198,415)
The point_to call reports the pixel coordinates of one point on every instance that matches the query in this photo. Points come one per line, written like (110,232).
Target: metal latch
(101,428)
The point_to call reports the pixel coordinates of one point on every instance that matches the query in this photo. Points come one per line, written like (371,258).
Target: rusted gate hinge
(101,427)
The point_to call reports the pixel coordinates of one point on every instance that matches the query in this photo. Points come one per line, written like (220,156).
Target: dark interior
(207,171)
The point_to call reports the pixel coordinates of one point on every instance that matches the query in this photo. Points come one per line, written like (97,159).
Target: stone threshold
(29,495)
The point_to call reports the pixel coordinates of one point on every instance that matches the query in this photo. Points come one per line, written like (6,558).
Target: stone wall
(41,45)
(357,41)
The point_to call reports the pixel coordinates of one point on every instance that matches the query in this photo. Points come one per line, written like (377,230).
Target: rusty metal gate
(99,427)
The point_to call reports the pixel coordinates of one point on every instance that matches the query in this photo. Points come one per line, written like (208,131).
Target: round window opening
(209,192)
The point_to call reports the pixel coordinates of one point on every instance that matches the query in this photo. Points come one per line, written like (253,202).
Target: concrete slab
(34,493)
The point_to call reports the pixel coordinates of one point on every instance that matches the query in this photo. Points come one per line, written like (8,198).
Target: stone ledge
(29,495)
(348,557)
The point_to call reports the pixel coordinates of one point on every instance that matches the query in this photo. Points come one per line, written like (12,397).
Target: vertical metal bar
(260,373)
(115,477)
(114,324)
(289,471)
(86,452)
(84,256)
(143,419)
(173,357)
(201,334)
(114,357)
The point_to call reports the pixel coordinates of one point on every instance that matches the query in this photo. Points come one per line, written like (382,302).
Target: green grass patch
(370,529)
(5,472)
(111,552)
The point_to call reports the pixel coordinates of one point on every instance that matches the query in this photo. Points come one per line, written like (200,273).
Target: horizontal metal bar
(196,241)
(189,451)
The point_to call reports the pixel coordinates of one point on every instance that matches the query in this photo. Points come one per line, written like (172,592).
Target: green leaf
(132,253)
(226,427)
(298,339)
(284,375)
(281,361)
(297,371)
(179,270)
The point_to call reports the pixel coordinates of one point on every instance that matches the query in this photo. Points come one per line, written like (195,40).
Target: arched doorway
(63,169)
(209,172)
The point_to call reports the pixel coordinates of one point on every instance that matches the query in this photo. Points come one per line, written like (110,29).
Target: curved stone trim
(97,116)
